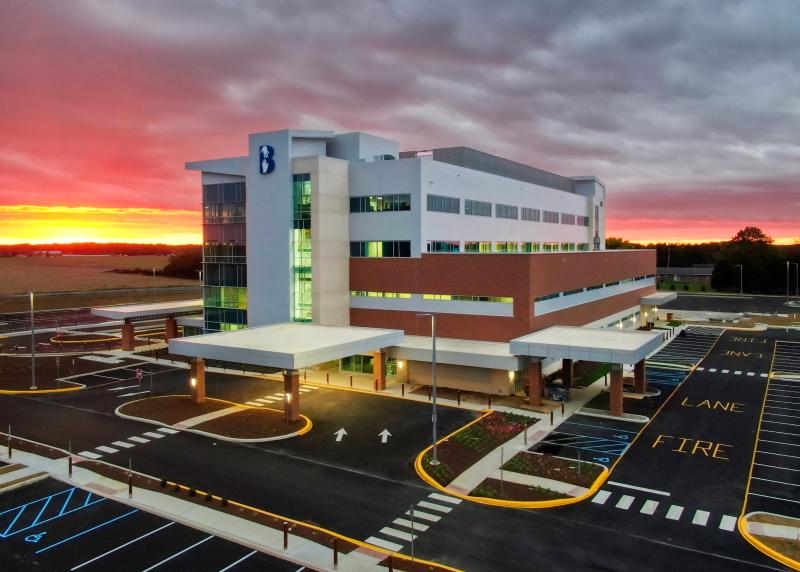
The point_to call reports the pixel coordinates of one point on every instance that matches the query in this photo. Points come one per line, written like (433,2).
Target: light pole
(33,349)
(788,266)
(796,278)
(434,459)
(741,280)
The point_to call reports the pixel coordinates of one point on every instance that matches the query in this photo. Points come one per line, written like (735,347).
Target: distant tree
(184,264)
(763,264)
(617,243)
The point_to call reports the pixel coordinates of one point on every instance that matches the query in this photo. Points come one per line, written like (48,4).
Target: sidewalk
(258,537)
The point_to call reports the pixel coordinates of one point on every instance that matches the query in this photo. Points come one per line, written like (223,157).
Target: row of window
(225,274)
(380,248)
(224,297)
(445,297)
(593,287)
(214,252)
(380,203)
(443,204)
(224,193)
(503,247)
(225,232)
(223,212)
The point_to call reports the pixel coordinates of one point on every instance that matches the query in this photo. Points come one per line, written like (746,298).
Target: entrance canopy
(589,344)
(659,298)
(141,312)
(472,353)
(286,346)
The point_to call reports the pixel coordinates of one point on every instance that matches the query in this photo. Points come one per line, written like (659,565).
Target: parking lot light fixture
(741,278)
(33,348)
(193,382)
(796,278)
(434,459)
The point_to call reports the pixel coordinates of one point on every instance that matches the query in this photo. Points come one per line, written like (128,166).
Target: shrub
(672,287)
(703,288)
(685,287)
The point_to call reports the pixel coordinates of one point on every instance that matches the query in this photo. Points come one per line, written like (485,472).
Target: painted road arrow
(384,435)
(339,434)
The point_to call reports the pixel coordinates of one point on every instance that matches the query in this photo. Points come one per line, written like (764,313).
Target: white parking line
(601,497)
(436,507)
(625,502)
(153,435)
(397,533)
(89,455)
(700,517)
(393,546)
(637,488)
(779,443)
(728,523)
(121,388)
(775,498)
(675,512)
(776,467)
(776,482)
(136,439)
(122,444)
(418,526)
(242,559)
(105,449)
(649,507)
(424,515)
(121,546)
(187,549)
(780,432)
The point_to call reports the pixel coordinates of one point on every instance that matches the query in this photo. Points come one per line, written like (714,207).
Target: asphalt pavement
(734,303)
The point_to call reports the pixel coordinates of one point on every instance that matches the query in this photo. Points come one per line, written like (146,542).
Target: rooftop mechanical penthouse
(344,229)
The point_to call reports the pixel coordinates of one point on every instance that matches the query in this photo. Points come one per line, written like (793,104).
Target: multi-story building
(344,229)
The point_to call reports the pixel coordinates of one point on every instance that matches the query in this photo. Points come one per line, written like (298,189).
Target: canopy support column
(198,379)
(639,377)
(379,369)
(615,394)
(171,328)
(291,395)
(128,333)
(567,373)
(534,374)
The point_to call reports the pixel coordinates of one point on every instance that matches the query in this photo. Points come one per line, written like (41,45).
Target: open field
(70,273)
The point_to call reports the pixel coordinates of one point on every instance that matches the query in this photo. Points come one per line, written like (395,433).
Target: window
(583,246)
(567,218)
(477,208)
(582,220)
(547,297)
(530,247)
(506,211)
(571,292)
(473,246)
(550,246)
(380,249)
(444,246)
(506,246)
(380,203)
(550,216)
(461,298)
(534,215)
(440,204)
(365,294)
(301,248)
(567,246)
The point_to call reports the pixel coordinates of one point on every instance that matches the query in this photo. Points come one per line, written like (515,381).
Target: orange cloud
(61,224)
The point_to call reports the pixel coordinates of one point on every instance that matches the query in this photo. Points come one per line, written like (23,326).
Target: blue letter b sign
(265,160)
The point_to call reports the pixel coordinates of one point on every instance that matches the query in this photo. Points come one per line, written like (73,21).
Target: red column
(534,373)
(291,394)
(197,381)
(379,369)
(127,337)
(566,373)
(639,377)
(615,394)
(171,326)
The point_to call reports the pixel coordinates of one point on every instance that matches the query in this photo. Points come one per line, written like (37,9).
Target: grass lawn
(557,468)
(680,286)
(494,489)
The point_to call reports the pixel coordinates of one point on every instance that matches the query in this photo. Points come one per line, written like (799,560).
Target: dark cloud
(682,101)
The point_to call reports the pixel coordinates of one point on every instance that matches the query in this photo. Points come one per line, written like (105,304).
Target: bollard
(351,381)
(525,436)
(489,396)
(430,392)
(285,535)
(327,377)
(459,397)
(70,466)
(335,553)
(130,486)
(402,390)
(605,380)
(376,385)
(9,441)
(562,408)
(390,563)
(551,417)
(305,374)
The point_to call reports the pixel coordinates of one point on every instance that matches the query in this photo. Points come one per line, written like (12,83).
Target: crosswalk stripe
(700,517)
(153,435)
(763,375)
(675,512)
(397,533)
(106,449)
(278,395)
(451,500)
(700,368)
(436,507)
(309,387)
(726,371)
(601,497)
(168,430)
(122,444)
(393,546)
(712,369)
(424,515)
(418,526)
(625,502)
(750,373)
(649,507)
(89,455)
(136,439)
(727,522)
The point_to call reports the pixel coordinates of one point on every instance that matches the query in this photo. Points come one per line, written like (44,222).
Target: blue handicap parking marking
(35,538)
(33,514)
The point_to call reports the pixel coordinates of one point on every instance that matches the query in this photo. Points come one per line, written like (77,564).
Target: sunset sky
(688,111)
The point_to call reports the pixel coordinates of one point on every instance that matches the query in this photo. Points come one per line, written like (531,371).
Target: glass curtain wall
(224,257)
(301,249)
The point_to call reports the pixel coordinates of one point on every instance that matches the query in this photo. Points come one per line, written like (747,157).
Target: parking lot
(787,358)
(586,438)
(688,349)
(53,526)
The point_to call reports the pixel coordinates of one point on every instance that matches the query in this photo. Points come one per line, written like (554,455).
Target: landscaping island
(215,418)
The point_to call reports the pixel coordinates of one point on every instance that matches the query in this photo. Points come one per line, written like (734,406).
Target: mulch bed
(556,468)
(15,372)
(251,424)
(171,409)
(495,489)
(472,443)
